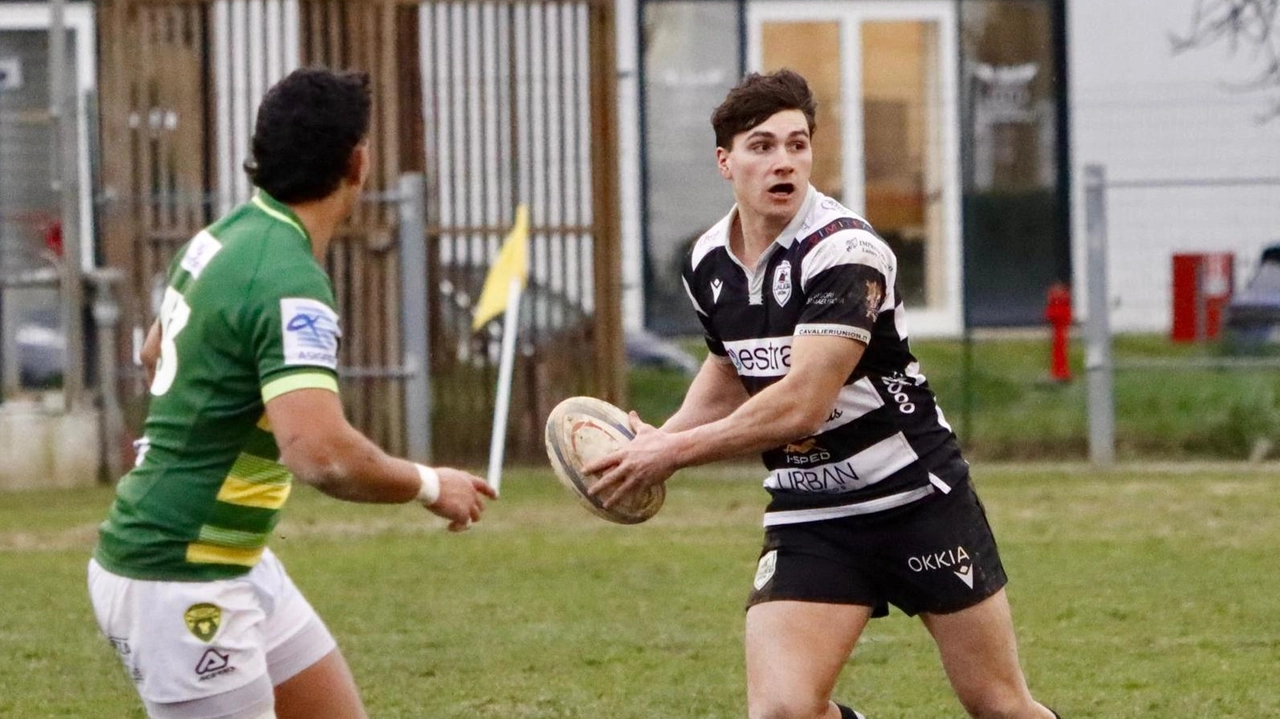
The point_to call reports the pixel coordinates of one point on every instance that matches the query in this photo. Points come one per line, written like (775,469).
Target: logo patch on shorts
(957,560)
(310,331)
(203,620)
(764,571)
(213,664)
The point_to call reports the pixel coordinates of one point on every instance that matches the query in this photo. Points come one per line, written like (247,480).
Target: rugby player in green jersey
(244,398)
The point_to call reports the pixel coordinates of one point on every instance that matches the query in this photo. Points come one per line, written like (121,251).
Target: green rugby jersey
(248,314)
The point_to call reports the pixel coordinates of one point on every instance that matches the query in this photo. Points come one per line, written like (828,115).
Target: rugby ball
(582,429)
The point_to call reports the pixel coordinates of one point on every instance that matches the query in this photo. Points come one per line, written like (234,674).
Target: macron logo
(716,286)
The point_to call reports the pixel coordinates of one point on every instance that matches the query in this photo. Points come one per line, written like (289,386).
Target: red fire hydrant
(1057,312)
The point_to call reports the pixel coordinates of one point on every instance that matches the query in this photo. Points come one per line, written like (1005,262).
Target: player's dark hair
(308,126)
(757,98)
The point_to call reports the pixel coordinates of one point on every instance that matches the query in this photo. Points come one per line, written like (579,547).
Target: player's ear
(722,163)
(359,164)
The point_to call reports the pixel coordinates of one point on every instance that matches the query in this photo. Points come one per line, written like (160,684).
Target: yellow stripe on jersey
(201,553)
(244,493)
(236,538)
(258,470)
(301,380)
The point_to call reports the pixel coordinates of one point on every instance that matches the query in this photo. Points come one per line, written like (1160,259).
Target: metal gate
(497,103)
(519,109)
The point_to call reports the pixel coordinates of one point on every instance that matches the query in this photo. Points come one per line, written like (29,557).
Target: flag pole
(498,440)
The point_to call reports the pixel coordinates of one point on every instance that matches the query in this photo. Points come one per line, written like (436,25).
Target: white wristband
(430,490)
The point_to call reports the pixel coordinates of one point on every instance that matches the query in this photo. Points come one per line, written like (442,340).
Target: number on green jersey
(174,313)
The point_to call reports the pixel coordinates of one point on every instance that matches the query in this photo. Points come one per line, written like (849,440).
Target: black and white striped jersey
(886,443)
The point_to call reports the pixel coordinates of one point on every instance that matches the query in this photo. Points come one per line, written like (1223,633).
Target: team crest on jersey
(203,620)
(311,332)
(782,283)
(764,571)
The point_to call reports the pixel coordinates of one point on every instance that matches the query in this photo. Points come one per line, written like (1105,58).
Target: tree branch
(1251,26)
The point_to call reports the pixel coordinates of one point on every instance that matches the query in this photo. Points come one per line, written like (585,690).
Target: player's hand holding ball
(586,438)
(456,495)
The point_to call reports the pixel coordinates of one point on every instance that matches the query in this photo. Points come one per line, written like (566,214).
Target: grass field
(1138,593)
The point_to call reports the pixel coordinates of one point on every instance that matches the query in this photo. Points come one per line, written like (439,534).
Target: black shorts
(936,556)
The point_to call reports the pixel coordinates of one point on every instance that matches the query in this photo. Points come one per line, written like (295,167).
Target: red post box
(1202,285)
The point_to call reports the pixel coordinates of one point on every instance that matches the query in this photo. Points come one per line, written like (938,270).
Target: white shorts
(231,639)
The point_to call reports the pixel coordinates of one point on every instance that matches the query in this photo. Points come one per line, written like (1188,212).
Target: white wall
(1146,114)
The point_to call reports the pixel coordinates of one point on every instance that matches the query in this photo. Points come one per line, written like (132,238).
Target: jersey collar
(788,234)
(280,211)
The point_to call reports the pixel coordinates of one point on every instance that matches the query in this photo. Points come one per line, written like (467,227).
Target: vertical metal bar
(559,282)
(161,106)
(1063,122)
(500,111)
(512,114)
(540,251)
(434,322)
(965,98)
(648,274)
(415,302)
(64,173)
(106,317)
(1101,403)
(571,272)
(477,110)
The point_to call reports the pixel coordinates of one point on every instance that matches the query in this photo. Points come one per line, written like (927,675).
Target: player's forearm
(352,468)
(714,394)
(781,413)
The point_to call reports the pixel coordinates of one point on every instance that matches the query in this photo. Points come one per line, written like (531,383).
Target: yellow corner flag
(511,264)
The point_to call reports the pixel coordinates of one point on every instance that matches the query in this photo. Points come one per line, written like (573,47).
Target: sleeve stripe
(300,380)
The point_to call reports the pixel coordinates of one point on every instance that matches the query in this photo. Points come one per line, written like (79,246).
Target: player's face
(769,166)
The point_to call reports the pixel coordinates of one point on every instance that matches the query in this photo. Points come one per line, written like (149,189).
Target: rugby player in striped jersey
(809,365)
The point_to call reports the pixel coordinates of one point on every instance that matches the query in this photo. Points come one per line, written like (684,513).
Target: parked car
(555,313)
(1252,319)
(645,349)
(41,349)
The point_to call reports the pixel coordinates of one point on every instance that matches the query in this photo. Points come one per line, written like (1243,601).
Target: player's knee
(783,707)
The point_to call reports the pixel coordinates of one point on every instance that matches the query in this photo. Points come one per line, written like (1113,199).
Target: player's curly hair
(308,126)
(757,98)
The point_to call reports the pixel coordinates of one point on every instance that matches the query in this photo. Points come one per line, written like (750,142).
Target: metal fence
(494,103)
(1120,217)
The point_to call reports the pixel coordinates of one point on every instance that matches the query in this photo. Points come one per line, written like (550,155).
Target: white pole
(498,442)
(1101,395)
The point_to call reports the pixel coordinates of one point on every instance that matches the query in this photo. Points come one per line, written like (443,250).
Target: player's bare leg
(980,655)
(324,689)
(795,651)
